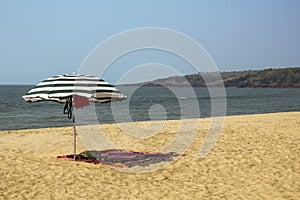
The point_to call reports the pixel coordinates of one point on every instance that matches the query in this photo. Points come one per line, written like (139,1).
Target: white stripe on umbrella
(88,88)
(68,82)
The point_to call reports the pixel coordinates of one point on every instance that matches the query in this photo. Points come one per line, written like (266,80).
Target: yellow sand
(256,157)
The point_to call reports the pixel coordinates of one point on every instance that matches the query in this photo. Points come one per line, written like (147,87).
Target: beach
(256,157)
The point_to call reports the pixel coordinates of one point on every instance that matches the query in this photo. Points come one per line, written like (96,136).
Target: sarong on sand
(122,158)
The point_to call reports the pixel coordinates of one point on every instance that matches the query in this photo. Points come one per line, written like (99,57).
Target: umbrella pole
(74,128)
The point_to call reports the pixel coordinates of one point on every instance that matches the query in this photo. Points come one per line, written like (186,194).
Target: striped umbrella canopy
(75,90)
(61,87)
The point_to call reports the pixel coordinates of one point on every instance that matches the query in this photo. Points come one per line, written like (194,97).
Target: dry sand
(256,157)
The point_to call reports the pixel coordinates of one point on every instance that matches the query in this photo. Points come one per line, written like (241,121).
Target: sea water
(144,103)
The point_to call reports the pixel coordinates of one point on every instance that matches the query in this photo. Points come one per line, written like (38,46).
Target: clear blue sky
(44,38)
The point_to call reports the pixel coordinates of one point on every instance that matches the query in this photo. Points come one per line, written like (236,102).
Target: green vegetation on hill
(281,78)
(275,78)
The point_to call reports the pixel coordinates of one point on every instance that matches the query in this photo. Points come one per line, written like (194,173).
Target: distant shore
(267,78)
(256,157)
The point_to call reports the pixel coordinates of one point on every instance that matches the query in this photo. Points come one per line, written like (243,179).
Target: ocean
(144,103)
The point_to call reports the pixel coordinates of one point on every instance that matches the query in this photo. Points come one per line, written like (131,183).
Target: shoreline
(204,118)
(256,157)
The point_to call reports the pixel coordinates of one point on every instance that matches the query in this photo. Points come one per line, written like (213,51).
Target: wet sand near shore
(256,157)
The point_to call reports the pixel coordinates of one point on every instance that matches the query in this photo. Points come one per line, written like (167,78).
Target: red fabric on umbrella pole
(80,101)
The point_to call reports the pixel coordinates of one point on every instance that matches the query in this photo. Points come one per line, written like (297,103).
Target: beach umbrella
(75,90)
